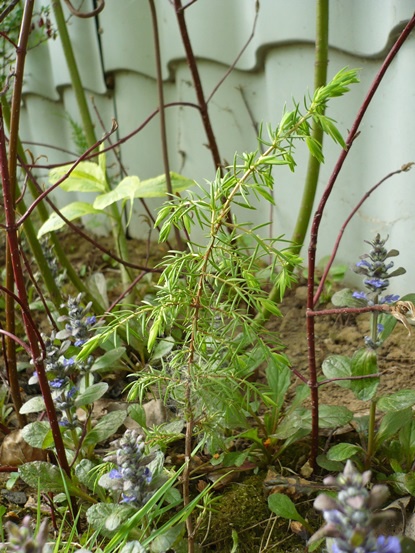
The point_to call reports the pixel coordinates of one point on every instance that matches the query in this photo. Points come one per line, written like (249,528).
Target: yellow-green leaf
(86,177)
(71,211)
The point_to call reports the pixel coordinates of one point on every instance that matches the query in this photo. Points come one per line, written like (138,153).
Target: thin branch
(238,57)
(66,175)
(330,262)
(85,15)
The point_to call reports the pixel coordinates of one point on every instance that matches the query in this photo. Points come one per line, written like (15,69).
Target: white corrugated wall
(276,67)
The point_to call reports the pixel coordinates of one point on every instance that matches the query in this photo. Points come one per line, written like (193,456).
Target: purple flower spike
(360,295)
(390,544)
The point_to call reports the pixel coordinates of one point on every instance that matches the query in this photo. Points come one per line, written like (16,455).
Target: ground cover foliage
(188,333)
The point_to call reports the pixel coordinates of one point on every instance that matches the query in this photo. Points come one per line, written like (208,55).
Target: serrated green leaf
(33,405)
(333,416)
(42,475)
(86,177)
(108,360)
(337,366)
(105,428)
(36,433)
(72,211)
(364,362)
(91,394)
(397,401)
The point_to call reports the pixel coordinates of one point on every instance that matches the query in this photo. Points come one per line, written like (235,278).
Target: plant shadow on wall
(194,340)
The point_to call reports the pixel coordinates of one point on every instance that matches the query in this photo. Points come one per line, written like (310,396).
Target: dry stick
(163,133)
(330,262)
(314,234)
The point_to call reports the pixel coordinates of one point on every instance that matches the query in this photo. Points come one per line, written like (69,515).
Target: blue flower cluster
(131,477)
(350,521)
(64,371)
(78,325)
(377,272)
(21,539)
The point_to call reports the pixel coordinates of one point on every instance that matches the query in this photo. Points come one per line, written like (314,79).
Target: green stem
(35,247)
(313,169)
(372,412)
(74,73)
(116,219)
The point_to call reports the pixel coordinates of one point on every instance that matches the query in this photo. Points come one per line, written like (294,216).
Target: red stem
(32,336)
(343,228)
(314,234)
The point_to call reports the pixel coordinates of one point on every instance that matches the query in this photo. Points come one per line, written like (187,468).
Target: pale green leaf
(33,405)
(397,401)
(333,416)
(85,474)
(108,360)
(163,348)
(43,476)
(108,515)
(36,433)
(72,211)
(344,298)
(342,452)
(165,541)
(91,394)
(337,366)
(157,187)
(86,177)
(391,423)
(125,190)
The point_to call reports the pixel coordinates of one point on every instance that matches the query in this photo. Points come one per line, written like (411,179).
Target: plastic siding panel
(86,49)
(254,93)
(218,30)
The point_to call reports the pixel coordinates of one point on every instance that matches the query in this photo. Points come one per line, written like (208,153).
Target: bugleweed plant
(203,340)
(397,420)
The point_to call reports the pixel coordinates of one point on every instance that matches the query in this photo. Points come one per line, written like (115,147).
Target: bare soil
(343,334)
